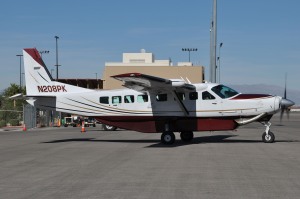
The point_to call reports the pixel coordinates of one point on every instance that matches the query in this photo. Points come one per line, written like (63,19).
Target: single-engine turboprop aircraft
(152,104)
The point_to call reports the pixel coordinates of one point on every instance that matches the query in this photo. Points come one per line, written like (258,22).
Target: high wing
(143,82)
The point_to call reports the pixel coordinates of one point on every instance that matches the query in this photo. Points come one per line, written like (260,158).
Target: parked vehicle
(89,122)
(68,121)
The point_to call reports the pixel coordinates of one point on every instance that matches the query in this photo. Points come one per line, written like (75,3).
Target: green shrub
(14,122)
(2,123)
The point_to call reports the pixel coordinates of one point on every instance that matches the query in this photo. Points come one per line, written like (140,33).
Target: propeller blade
(284,97)
(281,114)
(285,103)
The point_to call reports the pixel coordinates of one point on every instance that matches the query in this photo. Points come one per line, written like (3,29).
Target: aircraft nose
(285,103)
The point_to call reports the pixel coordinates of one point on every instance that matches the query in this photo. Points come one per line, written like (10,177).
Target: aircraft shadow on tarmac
(178,143)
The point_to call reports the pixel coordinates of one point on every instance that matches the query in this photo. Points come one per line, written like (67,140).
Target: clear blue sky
(261,37)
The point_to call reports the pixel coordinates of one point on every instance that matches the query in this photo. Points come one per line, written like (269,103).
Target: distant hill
(293,95)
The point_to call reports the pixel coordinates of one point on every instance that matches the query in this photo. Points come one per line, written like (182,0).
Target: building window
(104,100)
(128,99)
(142,98)
(161,97)
(116,100)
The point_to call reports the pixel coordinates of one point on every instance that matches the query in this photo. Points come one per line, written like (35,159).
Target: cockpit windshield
(224,91)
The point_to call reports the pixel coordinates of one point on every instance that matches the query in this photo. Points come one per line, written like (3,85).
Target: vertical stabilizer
(39,82)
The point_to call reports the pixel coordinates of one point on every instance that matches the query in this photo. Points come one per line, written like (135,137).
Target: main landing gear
(268,136)
(109,128)
(169,138)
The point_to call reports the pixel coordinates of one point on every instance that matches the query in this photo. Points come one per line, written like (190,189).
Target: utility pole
(213,43)
(20,71)
(219,60)
(56,38)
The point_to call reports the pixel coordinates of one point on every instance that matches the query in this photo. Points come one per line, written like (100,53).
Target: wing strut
(180,103)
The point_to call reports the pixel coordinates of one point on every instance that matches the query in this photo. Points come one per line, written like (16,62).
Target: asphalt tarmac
(65,163)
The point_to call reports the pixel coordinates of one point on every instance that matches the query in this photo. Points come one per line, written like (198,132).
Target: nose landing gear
(267,136)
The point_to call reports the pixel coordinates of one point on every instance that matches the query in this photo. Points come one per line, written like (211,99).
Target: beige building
(145,63)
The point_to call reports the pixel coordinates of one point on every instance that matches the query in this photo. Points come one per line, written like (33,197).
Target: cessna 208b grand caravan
(152,104)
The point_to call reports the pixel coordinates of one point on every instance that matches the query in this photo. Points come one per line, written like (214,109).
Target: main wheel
(109,128)
(167,138)
(187,136)
(270,138)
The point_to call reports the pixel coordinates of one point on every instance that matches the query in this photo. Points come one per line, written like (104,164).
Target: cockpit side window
(207,96)
(224,91)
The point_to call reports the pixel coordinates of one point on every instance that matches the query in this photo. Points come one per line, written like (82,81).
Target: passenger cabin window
(161,97)
(104,100)
(116,100)
(207,96)
(142,98)
(193,95)
(224,91)
(128,99)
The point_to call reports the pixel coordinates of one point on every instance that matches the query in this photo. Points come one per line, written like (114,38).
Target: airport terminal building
(145,62)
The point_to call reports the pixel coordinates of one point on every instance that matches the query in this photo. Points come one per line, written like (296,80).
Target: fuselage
(210,107)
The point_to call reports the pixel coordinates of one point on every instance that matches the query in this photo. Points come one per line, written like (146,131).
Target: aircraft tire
(187,136)
(109,128)
(268,139)
(167,138)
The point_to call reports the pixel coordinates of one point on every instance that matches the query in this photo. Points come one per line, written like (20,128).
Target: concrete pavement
(65,163)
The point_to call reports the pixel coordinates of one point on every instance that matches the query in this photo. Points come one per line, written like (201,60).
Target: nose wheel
(268,136)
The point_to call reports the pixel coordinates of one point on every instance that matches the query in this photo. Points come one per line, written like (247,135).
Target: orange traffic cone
(82,127)
(24,127)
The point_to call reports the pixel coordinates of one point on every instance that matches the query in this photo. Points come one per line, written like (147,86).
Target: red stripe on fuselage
(149,124)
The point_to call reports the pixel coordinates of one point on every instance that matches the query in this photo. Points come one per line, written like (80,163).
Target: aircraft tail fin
(39,81)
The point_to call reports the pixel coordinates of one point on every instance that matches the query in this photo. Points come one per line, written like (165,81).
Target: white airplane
(152,104)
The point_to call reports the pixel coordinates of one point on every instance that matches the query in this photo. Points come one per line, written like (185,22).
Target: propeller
(285,103)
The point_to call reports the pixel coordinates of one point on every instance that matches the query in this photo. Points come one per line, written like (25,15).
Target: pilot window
(128,99)
(142,98)
(161,97)
(104,100)
(207,96)
(193,95)
(224,91)
(116,100)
